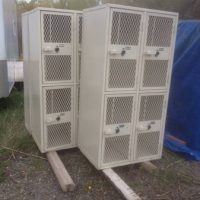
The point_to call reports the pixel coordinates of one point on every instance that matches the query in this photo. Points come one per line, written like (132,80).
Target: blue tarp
(183,118)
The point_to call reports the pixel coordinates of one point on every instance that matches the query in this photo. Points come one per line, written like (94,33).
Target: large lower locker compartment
(58,117)
(117,131)
(149,127)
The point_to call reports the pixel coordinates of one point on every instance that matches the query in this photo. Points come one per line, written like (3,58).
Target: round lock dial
(117,130)
(58,118)
(57,49)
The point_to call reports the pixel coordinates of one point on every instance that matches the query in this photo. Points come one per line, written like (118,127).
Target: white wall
(2,34)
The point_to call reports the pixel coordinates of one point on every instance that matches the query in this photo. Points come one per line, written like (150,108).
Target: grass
(13,133)
(38,164)
(4,163)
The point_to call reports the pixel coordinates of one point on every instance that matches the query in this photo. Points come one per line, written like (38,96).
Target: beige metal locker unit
(127,59)
(50,88)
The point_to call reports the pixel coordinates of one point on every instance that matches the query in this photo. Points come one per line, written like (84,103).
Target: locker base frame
(102,167)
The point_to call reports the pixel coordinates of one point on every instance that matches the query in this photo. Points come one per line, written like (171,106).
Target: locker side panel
(170,75)
(25,38)
(35,79)
(92,82)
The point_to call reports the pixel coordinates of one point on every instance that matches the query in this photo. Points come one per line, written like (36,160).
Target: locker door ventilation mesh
(58,135)
(57,67)
(147,144)
(125,28)
(57,28)
(151,107)
(58,100)
(155,73)
(116,149)
(119,110)
(122,73)
(159,31)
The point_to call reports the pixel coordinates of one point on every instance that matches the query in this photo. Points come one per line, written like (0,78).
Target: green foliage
(4,163)
(80,4)
(13,133)
(188,9)
(37,164)
(23,5)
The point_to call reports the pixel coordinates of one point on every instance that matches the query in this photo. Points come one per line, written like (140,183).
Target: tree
(187,9)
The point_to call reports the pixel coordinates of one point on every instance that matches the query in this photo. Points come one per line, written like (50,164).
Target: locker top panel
(129,8)
(52,10)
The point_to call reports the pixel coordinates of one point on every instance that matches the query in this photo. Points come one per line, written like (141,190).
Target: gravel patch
(29,178)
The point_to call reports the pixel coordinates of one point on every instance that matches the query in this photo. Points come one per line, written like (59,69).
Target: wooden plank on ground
(120,185)
(148,166)
(60,171)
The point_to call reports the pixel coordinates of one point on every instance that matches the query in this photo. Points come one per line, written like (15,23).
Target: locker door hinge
(174,28)
(165,104)
(141,27)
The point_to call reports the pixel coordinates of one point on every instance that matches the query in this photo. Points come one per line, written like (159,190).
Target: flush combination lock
(57,49)
(123,52)
(117,130)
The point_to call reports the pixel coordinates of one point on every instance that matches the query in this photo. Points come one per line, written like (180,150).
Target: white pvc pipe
(19,72)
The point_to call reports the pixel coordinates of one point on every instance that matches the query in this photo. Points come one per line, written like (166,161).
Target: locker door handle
(144,127)
(109,132)
(49,120)
(150,53)
(114,52)
(48,49)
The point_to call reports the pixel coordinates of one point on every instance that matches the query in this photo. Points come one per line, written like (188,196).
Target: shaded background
(187,9)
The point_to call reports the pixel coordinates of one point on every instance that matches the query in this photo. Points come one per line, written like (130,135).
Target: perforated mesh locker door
(158,48)
(58,117)
(118,123)
(150,125)
(116,149)
(123,51)
(57,47)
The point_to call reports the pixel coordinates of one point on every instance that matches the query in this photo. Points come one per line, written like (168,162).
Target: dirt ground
(29,178)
